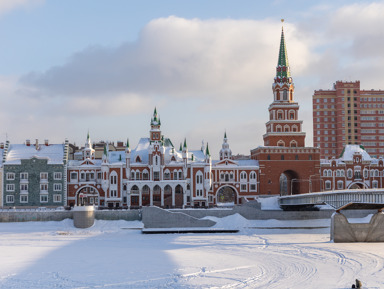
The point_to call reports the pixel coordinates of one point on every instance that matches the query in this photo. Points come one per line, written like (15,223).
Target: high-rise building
(348,115)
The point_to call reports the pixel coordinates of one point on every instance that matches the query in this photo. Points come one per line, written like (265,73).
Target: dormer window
(138,160)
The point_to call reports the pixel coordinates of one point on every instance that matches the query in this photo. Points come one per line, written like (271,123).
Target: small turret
(207,170)
(88,152)
(105,169)
(185,157)
(225,152)
(127,160)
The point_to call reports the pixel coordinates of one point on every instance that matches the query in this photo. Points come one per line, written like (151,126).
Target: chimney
(28,142)
(37,144)
(46,142)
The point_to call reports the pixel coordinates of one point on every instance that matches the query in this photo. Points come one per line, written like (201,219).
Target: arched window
(280,114)
(167,175)
(280,143)
(199,177)
(328,185)
(293,144)
(134,190)
(375,184)
(137,175)
(243,177)
(253,177)
(286,128)
(376,173)
(291,114)
(113,178)
(145,175)
(325,173)
(226,177)
(278,128)
(340,185)
(349,174)
(138,160)
(294,128)
(365,172)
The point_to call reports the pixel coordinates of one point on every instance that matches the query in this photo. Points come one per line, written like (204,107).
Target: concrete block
(343,231)
(155,217)
(83,217)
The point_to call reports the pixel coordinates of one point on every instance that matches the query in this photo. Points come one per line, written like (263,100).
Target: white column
(162,197)
(141,197)
(173,197)
(151,197)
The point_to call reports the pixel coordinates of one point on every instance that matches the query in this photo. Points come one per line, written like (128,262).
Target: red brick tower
(286,166)
(283,127)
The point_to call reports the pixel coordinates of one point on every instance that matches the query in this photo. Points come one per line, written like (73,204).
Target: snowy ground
(112,254)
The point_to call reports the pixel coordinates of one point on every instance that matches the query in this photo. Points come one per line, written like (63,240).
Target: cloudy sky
(70,66)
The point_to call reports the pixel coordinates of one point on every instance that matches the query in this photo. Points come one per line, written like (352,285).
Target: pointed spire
(181,147)
(225,134)
(185,143)
(283,73)
(127,143)
(207,153)
(88,136)
(105,149)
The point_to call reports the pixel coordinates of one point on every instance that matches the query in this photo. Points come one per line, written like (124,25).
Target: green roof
(282,63)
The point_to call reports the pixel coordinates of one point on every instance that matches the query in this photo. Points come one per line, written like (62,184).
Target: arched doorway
(167,196)
(145,196)
(226,196)
(87,196)
(157,196)
(134,196)
(357,186)
(289,183)
(179,198)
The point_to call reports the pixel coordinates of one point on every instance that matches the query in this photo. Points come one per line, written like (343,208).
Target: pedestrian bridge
(340,199)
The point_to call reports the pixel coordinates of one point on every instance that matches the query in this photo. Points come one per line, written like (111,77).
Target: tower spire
(283,73)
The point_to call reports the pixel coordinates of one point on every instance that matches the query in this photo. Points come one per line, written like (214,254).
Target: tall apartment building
(348,115)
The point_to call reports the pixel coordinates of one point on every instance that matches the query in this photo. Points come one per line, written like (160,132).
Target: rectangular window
(24,199)
(10,199)
(44,176)
(57,187)
(43,198)
(73,177)
(23,176)
(24,187)
(10,176)
(56,198)
(156,176)
(252,187)
(10,187)
(243,187)
(113,193)
(57,176)
(43,187)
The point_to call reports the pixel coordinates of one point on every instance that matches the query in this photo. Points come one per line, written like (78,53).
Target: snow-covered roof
(76,163)
(116,156)
(241,163)
(53,152)
(350,150)
(141,150)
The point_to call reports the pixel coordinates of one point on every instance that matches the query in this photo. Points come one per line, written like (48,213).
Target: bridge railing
(336,199)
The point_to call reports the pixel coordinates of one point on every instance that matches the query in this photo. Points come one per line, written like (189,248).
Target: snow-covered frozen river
(110,255)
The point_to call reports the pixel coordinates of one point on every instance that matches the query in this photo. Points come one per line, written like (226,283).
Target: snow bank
(269,203)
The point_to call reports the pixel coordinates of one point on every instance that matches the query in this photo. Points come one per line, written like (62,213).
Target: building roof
(350,150)
(54,153)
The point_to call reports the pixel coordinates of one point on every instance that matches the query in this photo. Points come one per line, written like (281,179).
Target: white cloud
(205,76)
(178,58)
(9,5)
